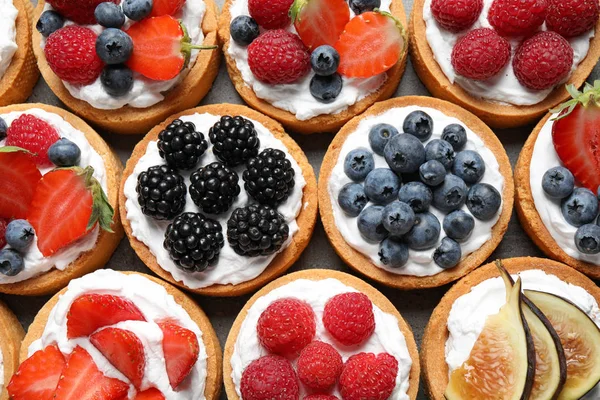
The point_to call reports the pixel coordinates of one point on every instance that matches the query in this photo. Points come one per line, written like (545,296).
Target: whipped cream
(505,87)
(470,311)
(387,337)
(145,92)
(8,34)
(420,262)
(230,268)
(296,97)
(155,304)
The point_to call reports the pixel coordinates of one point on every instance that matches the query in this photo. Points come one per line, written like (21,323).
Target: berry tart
(11,335)
(119,336)
(415,193)
(522,328)
(301,61)
(504,60)
(58,199)
(127,65)
(320,334)
(218,200)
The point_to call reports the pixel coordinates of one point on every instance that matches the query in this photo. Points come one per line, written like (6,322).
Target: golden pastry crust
(209,337)
(495,114)
(315,275)
(321,123)
(129,120)
(433,358)
(306,219)
(11,335)
(362,263)
(54,280)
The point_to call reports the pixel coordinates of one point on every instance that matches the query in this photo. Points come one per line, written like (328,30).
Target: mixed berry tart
(504,60)
(218,200)
(320,334)
(415,193)
(127,65)
(119,336)
(302,62)
(59,191)
(11,335)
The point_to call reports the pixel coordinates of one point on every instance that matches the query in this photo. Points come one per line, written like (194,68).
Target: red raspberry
(480,54)
(456,15)
(349,318)
(543,61)
(286,326)
(320,397)
(270,377)
(278,57)
(367,376)
(78,11)
(3,224)
(33,134)
(71,54)
(319,366)
(572,17)
(271,14)
(517,17)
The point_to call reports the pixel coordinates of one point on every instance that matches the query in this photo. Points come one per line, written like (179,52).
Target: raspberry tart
(127,65)
(58,199)
(504,60)
(114,335)
(218,200)
(420,208)
(299,61)
(11,335)
(320,334)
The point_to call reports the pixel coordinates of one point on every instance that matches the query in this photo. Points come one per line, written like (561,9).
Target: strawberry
(166,7)
(375,33)
(38,376)
(181,350)
(78,11)
(33,134)
(320,22)
(150,394)
(18,181)
(3,224)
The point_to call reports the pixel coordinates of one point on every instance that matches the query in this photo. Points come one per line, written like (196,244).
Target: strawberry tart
(218,200)
(119,336)
(127,65)
(11,335)
(504,60)
(302,62)
(415,193)
(58,199)
(320,334)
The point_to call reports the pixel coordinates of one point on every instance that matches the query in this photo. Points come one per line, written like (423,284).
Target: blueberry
(117,80)
(580,208)
(64,153)
(458,225)
(19,234)
(484,201)
(450,195)
(3,129)
(244,30)
(109,15)
(11,262)
(370,224)
(326,88)
(587,239)
(456,135)
(361,6)
(50,21)
(352,199)
(404,154)
(425,233)
(379,135)
(418,124)
(417,195)
(441,151)
(114,46)
(382,185)
(469,166)
(432,173)
(358,163)
(137,10)
(398,218)
(325,60)
(558,182)
(448,254)
(393,253)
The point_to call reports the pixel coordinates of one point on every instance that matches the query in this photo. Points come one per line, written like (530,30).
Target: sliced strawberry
(166,7)
(150,394)
(320,22)
(91,312)
(38,376)
(3,225)
(181,350)
(372,43)
(18,180)
(34,134)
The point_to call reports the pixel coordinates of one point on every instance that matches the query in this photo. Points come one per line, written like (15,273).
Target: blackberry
(180,145)
(161,192)
(214,188)
(234,140)
(194,241)
(256,230)
(269,177)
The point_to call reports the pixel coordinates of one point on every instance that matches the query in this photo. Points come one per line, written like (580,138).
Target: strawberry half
(150,394)
(18,180)
(181,350)
(372,43)
(320,22)
(166,7)
(38,376)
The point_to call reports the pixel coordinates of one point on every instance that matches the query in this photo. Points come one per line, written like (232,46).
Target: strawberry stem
(590,95)
(15,149)
(102,211)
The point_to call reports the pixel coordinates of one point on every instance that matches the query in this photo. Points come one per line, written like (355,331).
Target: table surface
(415,306)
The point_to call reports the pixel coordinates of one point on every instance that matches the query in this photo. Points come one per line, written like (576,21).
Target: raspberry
(286,326)
(368,376)
(278,57)
(270,377)
(320,397)
(349,318)
(572,17)
(271,14)
(3,224)
(543,61)
(319,366)
(78,11)
(517,17)
(33,134)
(71,54)
(480,54)
(456,15)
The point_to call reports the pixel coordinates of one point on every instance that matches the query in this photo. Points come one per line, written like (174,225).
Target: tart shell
(11,335)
